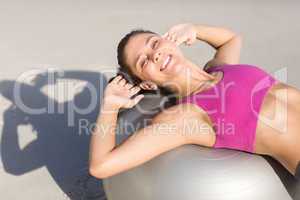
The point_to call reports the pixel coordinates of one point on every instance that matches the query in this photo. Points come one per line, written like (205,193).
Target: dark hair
(124,68)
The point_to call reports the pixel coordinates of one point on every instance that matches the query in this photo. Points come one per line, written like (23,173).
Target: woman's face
(153,58)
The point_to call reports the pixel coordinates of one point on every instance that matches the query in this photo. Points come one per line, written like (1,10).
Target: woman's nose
(156,56)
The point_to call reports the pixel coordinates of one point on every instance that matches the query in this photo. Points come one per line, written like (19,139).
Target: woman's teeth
(167,61)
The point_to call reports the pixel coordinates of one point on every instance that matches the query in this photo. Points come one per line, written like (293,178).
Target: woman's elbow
(238,38)
(99,171)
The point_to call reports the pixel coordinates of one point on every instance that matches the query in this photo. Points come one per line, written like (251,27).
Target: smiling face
(153,58)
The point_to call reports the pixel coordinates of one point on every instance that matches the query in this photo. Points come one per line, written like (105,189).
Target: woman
(231,105)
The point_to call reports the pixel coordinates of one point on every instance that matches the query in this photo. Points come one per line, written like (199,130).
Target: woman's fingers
(180,40)
(181,33)
(137,99)
(122,82)
(165,35)
(168,34)
(134,101)
(117,79)
(174,37)
(128,86)
(189,41)
(134,90)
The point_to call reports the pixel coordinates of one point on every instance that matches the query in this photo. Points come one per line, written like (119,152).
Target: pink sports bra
(233,104)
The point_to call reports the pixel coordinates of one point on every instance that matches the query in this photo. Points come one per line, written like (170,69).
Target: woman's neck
(194,79)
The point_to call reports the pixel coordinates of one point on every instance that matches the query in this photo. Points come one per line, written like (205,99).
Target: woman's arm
(226,42)
(163,134)
(118,93)
(215,36)
(103,136)
(171,128)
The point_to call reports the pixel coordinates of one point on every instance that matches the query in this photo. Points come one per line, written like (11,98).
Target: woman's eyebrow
(146,43)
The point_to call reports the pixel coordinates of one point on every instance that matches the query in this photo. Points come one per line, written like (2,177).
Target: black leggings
(297,175)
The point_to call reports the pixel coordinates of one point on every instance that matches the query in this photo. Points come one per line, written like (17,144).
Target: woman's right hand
(182,33)
(118,93)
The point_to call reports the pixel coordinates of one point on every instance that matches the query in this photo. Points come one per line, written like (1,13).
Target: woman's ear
(148,85)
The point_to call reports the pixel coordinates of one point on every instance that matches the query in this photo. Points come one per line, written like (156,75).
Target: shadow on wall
(57,146)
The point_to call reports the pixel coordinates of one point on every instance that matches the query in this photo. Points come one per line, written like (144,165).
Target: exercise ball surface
(190,172)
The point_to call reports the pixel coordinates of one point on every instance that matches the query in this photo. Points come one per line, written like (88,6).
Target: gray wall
(82,35)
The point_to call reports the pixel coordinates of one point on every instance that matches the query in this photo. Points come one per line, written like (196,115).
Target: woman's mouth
(166,63)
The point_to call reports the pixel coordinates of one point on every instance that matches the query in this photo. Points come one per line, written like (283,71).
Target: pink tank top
(233,104)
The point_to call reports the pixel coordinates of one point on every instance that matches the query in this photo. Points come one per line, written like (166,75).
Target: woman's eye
(144,62)
(154,45)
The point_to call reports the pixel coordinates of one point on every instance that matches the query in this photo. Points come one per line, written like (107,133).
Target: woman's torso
(269,127)
(278,128)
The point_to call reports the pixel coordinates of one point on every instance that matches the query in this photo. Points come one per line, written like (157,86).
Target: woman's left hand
(182,33)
